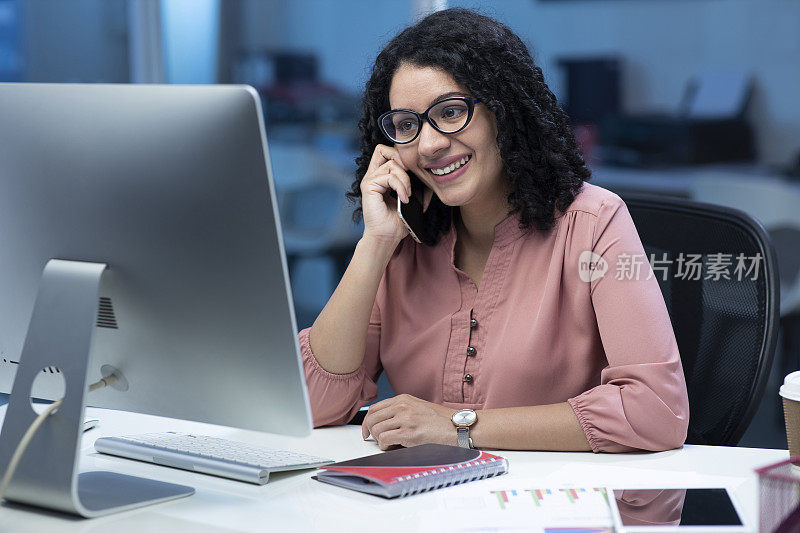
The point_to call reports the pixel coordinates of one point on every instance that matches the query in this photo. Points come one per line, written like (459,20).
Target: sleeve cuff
(312,365)
(334,398)
(588,428)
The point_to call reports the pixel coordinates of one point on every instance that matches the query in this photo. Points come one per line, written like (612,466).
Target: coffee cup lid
(791,387)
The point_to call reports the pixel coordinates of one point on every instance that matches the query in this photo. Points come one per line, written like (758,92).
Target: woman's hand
(386,172)
(408,421)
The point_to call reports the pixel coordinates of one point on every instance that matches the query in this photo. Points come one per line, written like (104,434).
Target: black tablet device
(682,510)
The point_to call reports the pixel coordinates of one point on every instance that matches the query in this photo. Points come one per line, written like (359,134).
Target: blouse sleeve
(641,402)
(336,398)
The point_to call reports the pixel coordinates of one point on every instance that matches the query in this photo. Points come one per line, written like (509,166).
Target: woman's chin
(452,198)
(451,202)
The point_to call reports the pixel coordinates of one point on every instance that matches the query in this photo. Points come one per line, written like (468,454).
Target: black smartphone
(412,216)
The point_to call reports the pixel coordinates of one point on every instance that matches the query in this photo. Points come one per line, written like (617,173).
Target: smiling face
(464,169)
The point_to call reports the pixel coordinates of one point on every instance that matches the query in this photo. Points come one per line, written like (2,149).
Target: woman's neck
(475,224)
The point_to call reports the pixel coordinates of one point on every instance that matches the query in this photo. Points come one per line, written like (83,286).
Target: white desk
(295,503)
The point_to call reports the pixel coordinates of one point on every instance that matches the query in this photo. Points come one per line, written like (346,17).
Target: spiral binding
(450,475)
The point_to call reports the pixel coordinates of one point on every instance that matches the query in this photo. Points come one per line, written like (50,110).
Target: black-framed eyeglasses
(450,115)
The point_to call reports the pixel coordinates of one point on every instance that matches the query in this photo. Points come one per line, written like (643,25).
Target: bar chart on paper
(570,500)
(551,510)
(575,503)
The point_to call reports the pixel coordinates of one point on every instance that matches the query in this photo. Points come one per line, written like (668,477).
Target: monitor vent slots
(105,314)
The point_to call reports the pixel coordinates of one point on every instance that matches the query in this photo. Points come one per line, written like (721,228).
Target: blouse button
(471,351)
(468,378)
(473,322)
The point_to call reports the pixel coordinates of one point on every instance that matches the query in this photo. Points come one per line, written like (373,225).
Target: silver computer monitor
(169,186)
(139,238)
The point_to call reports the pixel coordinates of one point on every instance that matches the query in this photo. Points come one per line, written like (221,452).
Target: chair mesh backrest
(725,328)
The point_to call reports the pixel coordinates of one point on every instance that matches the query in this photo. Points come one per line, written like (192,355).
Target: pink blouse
(545,327)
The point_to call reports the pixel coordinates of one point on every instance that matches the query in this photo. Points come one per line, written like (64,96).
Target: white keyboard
(208,455)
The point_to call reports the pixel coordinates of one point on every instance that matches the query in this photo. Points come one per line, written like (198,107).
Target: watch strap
(463,437)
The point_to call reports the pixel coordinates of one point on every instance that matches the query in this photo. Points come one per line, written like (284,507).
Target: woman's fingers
(382,154)
(396,170)
(379,429)
(375,415)
(398,185)
(382,184)
(383,404)
(393,437)
(386,161)
(388,175)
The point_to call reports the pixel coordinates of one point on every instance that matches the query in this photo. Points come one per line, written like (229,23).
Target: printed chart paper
(549,510)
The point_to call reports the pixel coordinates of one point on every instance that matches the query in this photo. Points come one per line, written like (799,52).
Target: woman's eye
(406,126)
(452,112)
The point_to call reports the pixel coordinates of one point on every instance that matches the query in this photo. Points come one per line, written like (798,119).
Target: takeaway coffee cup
(790,392)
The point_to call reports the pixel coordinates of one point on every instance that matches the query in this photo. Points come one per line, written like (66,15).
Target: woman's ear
(427,196)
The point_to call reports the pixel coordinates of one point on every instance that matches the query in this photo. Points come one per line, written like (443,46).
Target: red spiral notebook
(406,471)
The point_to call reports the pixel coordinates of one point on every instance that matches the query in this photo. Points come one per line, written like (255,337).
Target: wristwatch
(463,419)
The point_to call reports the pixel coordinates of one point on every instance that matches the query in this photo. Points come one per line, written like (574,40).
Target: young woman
(511,315)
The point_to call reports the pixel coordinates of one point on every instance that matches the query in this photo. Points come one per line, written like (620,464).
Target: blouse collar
(505,232)
(508,231)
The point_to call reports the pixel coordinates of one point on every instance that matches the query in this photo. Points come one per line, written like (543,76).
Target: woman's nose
(431,141)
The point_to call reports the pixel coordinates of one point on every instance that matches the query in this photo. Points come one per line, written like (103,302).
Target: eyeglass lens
(449,116)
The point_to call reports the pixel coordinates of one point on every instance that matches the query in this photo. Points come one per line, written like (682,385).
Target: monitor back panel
(169,186)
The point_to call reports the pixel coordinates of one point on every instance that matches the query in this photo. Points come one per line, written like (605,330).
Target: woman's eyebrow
(441,97)
(448,95)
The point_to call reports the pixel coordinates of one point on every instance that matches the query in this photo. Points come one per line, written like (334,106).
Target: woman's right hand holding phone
(386,172)
(338,345)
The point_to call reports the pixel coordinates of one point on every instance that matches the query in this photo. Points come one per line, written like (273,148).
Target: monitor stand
(60,335)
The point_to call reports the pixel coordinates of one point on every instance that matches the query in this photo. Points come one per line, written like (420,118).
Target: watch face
(464,417)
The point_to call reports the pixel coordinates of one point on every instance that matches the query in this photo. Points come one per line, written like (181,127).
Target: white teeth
(448,169)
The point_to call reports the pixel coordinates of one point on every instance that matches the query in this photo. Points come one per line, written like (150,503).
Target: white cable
(104,382)
(34,427)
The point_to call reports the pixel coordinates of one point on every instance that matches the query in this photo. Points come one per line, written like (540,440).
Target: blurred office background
(691,98)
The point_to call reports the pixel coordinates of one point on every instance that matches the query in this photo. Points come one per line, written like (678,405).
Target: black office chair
(726,329)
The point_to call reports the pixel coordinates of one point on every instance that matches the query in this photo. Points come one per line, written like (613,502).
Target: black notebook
(407,471)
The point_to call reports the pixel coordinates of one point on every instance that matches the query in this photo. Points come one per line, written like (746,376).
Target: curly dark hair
(540,156)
